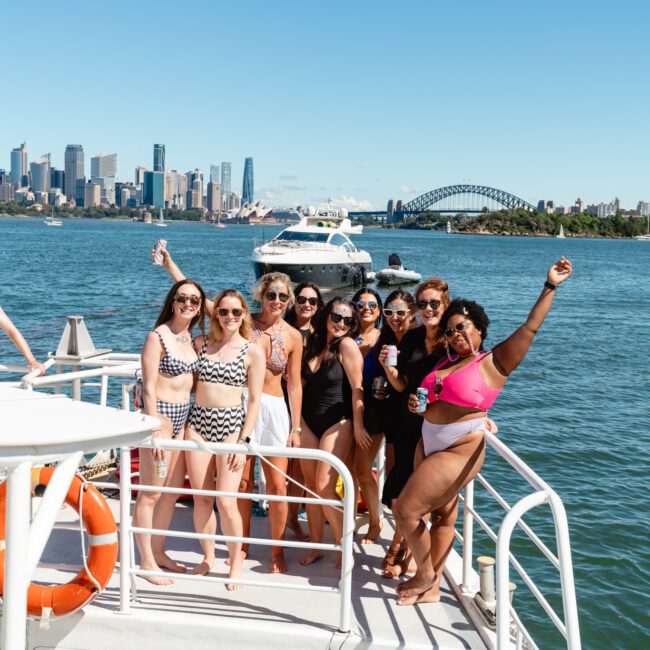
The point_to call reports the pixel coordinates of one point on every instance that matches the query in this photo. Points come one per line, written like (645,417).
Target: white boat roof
(35,423)
(207,616)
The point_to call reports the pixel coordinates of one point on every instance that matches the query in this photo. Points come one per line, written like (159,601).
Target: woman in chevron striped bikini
(227,361)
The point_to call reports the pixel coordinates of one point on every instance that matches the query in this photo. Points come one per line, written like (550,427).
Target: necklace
(183,339)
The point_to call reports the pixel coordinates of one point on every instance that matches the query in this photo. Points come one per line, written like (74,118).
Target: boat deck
(201,614)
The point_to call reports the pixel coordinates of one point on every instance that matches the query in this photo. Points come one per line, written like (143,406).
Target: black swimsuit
(326,397)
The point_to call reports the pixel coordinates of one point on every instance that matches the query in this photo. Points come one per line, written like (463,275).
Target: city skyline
(527,98)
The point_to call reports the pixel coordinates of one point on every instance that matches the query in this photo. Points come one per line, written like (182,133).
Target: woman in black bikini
(168,366)
(227,361)
(332,408)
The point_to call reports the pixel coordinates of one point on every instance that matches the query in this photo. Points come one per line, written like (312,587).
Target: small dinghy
(395,273)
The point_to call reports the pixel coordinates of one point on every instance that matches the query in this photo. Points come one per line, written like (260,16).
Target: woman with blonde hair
(227,361)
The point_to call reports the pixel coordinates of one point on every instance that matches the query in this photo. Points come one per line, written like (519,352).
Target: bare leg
(276,484)
(434,484)
(201,470)
(231,522)
(363,459)
(294,490)
(315,516)
(164,511)
(245,506)
(145,505)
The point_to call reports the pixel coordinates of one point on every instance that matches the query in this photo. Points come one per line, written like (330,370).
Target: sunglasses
(395,312)
(337,318)
(273,295)
(301,300)
(423,304)
(236,312)
(372,305)
(460,327)
(181,299)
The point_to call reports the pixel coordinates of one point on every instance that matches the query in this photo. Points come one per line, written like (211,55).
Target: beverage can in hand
(422,394)
(391,357)
(378,383)
(161,468)
(161,244)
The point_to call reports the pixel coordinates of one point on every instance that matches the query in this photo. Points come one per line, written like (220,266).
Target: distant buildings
(74,171)
(154,189)
(139,175)
(214,197)
(159,157)
(103,172)
(39,170)
(226,172)
(92,194)
(19,168)
(214,174)
(644,208)
(603,210)
(247,192)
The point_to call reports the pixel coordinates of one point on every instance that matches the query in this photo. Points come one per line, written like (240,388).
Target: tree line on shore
(523,222)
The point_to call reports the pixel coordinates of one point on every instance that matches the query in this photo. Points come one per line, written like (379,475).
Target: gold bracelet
(297,430)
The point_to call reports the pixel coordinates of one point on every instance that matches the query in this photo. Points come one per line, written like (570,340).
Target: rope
(82,489)
(201,445)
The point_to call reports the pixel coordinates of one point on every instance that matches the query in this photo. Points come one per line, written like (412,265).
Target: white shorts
(272,425)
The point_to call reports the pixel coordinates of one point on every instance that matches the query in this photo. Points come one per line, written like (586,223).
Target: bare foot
(204,568)
(278,565)
(300,534)
(373,533)
(417,585)
(243,555)
(155,580)
(310,557)
(404,566)
(165,562)
(235,572)
(431,595)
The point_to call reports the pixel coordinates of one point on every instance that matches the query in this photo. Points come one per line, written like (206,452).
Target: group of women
(302,372)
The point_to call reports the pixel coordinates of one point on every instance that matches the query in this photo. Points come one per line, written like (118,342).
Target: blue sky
(360,100)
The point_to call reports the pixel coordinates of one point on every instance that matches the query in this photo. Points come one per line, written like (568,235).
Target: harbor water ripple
(576,411)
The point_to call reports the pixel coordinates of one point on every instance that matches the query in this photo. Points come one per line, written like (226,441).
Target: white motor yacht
(317,249)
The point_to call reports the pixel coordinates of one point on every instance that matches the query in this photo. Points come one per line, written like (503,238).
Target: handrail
(127,530)
(542,494)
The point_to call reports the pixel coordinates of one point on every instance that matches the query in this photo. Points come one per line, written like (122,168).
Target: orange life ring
(102,552)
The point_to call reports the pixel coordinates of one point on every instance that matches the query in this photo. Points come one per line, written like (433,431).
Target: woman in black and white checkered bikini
(168,365)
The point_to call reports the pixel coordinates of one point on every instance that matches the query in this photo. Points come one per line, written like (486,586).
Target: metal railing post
(347,560)
(125,529)
(103,390)
(468,535)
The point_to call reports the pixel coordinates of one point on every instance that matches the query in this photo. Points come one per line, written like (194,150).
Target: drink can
(161,468)
(391,358)
(422,394)
(378,383)
(158,256)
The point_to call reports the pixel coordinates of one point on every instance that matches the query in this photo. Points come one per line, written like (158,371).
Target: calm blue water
(576,411)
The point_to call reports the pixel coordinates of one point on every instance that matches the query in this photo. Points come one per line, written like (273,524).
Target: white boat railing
(542,494)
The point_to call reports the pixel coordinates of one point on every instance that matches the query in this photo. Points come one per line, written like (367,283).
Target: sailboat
(645,237)
(449,227)
(161,220)
(217,223)
(561,234)
(51,221)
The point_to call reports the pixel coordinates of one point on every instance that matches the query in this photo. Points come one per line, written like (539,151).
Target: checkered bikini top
(172,366)
(230,373)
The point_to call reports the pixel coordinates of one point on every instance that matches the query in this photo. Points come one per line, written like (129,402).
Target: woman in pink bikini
(461,388)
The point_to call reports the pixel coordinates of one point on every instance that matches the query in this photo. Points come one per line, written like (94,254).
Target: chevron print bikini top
(230,373)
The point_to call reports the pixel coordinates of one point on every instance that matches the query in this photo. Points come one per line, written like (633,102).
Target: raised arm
(508,354)
(352,361)
(7,326)
(176,274)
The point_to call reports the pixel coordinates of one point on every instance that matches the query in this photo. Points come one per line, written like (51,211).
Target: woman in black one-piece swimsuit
(332,408)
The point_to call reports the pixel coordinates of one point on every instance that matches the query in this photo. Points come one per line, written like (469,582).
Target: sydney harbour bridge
(452,199)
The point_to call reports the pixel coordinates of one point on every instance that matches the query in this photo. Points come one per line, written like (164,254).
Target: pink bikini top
(277,361)
(464,387)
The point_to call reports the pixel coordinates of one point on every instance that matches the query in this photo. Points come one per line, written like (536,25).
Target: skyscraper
(225,178)
(40,171)
(247,192)
(214,173)
(154,189)
(159,157)
(19,165)
(74,171)
(103,170)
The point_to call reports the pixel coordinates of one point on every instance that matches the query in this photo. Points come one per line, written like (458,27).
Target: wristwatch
(550,285)
(245,440)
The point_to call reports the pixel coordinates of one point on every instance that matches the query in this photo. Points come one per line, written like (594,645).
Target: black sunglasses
(396,312)
(301,300)
(195,301)
(423,304)
(372,305)
(337,318)
(236,312)
(272,295)
(459,327)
